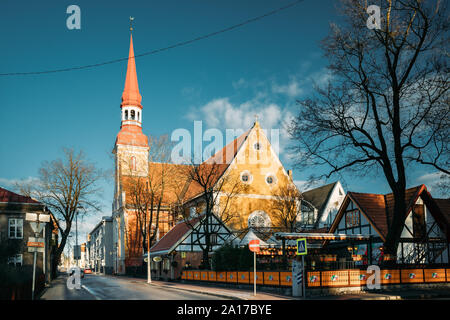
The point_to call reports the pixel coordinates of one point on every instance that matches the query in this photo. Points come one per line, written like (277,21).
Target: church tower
(131,146)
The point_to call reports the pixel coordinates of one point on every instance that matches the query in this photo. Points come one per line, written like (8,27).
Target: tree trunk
(395,226)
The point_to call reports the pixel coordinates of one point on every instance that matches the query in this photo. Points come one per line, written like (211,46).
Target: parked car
(87,271)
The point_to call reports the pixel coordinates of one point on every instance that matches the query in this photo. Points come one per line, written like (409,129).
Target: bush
(229,258)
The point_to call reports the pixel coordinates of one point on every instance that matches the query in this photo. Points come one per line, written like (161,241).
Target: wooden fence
(320,279)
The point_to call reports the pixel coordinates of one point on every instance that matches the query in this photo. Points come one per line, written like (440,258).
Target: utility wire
(179,44)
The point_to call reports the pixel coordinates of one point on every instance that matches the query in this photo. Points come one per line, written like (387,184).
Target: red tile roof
(171,238)
(217,164)
(379,209)
(9,196)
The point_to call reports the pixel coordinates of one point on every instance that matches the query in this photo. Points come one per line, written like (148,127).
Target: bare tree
(386,107)
(68,187)
(148,195)
(286,207)
(214,193)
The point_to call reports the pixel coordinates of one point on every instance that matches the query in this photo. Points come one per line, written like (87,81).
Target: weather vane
(131,23)
(256,117)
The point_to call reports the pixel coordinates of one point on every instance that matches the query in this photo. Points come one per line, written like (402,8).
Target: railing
(272,278)
(322,278)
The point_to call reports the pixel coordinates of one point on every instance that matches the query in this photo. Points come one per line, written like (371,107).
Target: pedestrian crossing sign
(301,247)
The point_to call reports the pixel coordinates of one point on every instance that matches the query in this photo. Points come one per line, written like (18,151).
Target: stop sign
(253,245)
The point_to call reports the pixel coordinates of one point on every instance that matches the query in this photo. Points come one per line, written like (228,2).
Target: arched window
(259,219)
(126,114)
(139,115)
(132,114)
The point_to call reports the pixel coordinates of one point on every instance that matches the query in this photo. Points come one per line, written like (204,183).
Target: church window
(126,114)
(139,115)
(257,146)
(271,179)
(246,177)
(132,114)
(259,219)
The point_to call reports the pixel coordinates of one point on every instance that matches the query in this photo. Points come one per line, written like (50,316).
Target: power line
(179,44)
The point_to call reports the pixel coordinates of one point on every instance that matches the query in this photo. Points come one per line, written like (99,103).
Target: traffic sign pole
(303,276)
(34,274)
(254,246)
(254,273)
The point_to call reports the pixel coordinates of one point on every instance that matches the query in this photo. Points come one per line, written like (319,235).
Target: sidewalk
(242,294)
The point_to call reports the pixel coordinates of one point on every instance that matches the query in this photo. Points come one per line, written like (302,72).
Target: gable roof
(318,197)
(219,163)
(9,196)
(178,233)
(175,235)
(379,209)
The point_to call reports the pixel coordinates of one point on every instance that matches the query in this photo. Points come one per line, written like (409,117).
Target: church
(255,189)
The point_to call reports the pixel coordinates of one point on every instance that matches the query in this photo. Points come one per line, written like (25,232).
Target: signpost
(36,244)
(299,271)
(254,246)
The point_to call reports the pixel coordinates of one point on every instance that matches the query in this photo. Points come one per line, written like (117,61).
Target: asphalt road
(98,287)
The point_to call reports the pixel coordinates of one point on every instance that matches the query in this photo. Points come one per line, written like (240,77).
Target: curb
(198,291)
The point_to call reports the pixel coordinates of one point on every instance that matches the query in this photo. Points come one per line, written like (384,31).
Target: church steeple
(131,109)
(131,95)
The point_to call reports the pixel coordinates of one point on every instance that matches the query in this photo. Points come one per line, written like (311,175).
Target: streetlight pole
(76,235)
(149,271)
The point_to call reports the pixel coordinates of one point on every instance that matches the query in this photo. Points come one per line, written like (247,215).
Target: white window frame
(16,260)
(16,226)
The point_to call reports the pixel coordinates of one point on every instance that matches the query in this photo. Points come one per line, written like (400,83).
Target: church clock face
(259,219)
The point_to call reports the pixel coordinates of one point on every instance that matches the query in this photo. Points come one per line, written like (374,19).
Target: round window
(271,179)
(246,177)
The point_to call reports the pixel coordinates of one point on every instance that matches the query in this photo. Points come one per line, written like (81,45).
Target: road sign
(44,217)
(76,252)
(36,226)
(35,242)
(254,246)
(301,247)
(31,217)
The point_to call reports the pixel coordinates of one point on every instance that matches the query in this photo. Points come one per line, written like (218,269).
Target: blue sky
(223,81)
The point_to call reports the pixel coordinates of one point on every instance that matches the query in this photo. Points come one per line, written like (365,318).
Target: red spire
(131,95)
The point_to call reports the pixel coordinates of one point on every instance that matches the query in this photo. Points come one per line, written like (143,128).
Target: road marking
(91,292)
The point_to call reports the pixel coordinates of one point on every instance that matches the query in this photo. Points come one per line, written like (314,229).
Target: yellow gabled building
(251,161)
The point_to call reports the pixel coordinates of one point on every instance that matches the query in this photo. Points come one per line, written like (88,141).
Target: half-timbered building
(182,247)
(425,235)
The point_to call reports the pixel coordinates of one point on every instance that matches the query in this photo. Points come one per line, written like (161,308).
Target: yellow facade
(258,160)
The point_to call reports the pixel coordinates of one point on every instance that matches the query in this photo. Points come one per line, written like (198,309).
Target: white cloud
(429,179)
(11,183)
(292,89)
